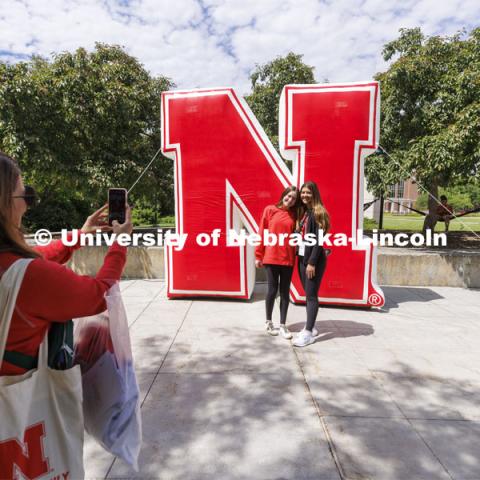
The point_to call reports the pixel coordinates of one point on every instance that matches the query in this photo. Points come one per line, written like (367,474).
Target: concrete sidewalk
(392,394)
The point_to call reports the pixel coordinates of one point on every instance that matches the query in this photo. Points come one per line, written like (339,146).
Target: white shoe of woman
(270,328)
(303,339)
(314,332)
(285,332)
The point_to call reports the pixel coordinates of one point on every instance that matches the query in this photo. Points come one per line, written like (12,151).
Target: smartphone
(117,204)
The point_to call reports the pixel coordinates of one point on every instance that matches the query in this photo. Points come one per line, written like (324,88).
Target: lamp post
(380,218)
(380,151)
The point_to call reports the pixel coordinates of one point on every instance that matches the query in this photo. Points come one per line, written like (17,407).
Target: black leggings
(274,274)
(311,287)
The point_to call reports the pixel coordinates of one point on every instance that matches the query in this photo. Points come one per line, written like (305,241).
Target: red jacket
(51,292)
(276,220)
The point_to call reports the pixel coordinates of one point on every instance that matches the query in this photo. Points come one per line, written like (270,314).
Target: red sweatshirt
(276,220)
(51,292)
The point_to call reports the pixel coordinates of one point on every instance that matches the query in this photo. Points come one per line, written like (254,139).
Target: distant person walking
(278,260)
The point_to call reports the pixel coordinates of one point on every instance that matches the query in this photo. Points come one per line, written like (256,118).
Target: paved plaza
(381,395)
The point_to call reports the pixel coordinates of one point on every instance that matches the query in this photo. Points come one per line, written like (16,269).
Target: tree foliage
(462,197)
(81,122)
(430,112)
(268,81)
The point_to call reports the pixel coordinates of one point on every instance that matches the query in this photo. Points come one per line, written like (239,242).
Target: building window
(396,191)
(400,189)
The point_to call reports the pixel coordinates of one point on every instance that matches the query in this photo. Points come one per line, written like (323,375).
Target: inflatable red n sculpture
(227,171)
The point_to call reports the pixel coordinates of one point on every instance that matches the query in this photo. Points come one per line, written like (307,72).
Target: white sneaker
(270,328)
(314,332)
(303,339)
(285,332)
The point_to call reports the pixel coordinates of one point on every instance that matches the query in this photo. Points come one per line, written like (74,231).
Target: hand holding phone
(126,227)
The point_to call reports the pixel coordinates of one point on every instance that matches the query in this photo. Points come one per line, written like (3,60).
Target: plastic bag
(111,397)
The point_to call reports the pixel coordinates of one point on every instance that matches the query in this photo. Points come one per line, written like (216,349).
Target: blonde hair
(320,213)
(11,237)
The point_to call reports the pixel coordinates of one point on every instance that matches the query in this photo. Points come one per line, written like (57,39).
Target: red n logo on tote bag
(26,458)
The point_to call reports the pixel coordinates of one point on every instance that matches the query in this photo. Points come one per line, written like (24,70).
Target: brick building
(404,193)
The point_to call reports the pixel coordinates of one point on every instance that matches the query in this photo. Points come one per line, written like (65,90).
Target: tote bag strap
(9,287)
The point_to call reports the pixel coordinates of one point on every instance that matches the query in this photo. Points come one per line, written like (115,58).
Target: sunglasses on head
(29,196)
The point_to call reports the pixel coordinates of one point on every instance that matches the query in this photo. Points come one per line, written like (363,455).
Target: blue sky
(207,43)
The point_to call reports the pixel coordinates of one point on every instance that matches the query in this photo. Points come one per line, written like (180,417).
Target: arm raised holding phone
(50,292)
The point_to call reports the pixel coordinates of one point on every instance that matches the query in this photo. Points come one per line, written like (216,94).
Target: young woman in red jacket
(278,260)
(50,292)
(312,259)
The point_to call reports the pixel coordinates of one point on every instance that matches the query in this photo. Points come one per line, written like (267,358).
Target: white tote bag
(41,416)
(111,397)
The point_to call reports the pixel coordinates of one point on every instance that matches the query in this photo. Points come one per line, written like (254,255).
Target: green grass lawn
(414,222)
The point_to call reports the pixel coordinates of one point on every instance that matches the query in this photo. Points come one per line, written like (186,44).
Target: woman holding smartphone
(312,259)
(49,293)
(278,260)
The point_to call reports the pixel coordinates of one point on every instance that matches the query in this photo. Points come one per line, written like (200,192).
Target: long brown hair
(289,189)
(11,237)
(322,217)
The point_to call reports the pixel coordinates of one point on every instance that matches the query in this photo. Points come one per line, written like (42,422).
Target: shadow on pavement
(245,420)
(227,406)
(396,295)
(330,329)
(402,426)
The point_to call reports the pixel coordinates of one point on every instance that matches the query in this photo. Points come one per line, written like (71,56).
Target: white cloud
(218,42)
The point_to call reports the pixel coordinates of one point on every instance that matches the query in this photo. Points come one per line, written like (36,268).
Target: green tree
(430,112)
(81,122)
(461,197)
(268,81)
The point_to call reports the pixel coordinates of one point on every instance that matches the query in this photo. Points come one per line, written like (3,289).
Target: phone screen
(117,200)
